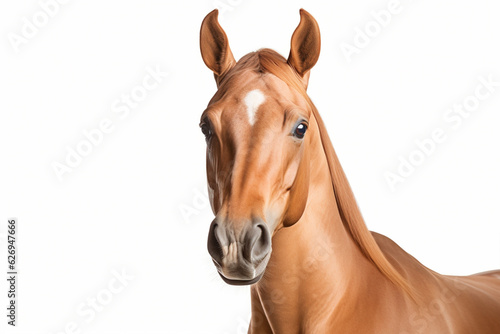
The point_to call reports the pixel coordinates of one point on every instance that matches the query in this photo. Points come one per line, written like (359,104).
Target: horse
(286,220)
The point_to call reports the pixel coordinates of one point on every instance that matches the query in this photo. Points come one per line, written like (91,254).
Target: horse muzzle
(240,254)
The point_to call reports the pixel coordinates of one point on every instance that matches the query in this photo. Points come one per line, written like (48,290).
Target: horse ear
(305,45)
(214,46)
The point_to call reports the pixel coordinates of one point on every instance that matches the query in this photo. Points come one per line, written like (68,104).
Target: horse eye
(300,130)
(205,128)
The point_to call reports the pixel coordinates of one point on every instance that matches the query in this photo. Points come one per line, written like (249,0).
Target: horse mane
(269,61)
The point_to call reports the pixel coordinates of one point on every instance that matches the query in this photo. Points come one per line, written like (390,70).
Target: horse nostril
(213,244)
(257,242)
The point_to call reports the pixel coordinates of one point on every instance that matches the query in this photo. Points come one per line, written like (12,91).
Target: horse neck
(315,259)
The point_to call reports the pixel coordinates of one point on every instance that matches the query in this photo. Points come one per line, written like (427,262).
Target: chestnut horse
(274,178)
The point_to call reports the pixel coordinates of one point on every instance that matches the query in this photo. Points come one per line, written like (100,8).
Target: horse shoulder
(463,302)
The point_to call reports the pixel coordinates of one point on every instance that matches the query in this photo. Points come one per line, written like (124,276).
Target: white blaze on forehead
(253,100)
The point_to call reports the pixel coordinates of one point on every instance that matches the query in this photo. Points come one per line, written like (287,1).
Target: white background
(120,209)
